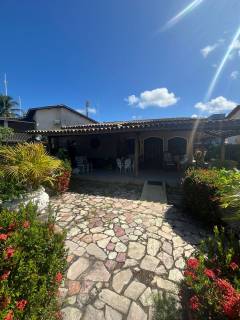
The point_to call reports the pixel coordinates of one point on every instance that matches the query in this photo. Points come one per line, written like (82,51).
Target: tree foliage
(8,107)
(4,133)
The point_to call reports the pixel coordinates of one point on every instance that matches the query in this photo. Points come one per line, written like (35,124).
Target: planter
(39,197)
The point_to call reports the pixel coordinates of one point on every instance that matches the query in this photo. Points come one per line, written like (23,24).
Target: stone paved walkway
(121,252)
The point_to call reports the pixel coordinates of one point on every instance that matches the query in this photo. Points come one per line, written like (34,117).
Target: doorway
(153,153)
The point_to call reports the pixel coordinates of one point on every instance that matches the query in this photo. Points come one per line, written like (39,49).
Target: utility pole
(87,107)
(5,84)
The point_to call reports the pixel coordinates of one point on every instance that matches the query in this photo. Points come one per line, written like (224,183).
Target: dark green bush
(208,194)
(201,195)
(32,261)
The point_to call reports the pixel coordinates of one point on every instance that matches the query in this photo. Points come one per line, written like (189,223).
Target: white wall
(46,118)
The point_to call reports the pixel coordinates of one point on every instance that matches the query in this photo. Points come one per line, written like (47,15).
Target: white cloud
(236,45)
(136,117)
(132,100)
(210,48)
(194,116)
(217,105)
(160,98)
(91,110)
(234,75)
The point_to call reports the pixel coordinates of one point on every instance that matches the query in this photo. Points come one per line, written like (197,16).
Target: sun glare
(187,10)
(222,65)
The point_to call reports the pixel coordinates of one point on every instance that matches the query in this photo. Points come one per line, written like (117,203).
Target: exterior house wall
(235,139)
(111,144)
(52,119)
(166,136)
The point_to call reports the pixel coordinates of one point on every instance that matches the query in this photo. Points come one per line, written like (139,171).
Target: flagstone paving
(121,252)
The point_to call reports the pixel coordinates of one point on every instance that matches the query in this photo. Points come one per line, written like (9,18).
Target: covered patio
(153,146)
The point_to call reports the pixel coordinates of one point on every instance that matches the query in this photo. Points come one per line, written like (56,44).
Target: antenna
(87,107)
(20,105)
(5,84)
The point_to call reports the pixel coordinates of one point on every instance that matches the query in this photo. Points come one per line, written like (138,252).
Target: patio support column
(136,156)
(190,148)
(222,155)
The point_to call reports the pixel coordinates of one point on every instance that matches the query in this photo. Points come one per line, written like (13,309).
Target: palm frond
(29,164)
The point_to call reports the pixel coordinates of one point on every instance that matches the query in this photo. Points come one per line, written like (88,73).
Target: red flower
(209,273)
(21,304)
(194,303)
(59,277)
(3,236)
(9,252)
(26,224)
(12,226)
(231,306)
(9,316)
(193,263)
(188,273)
(233,266)
(225,286)
(5,275)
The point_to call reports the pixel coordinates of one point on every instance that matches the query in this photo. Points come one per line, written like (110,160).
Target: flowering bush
(212,279)
(32,261)
(63,177)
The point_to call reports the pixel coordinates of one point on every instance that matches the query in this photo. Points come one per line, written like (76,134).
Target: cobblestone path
(121,252)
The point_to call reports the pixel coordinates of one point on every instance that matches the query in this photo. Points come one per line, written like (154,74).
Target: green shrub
(211,287)
(166,307)
(32,261)
(5,133)
(207,191)
(201,197)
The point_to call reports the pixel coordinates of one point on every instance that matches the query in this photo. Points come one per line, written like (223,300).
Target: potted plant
(25,169)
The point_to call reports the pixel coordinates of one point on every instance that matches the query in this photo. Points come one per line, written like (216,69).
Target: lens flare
(182,14)
(221,66)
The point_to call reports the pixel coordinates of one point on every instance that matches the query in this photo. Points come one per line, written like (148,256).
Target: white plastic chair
(119,164)
(127,165)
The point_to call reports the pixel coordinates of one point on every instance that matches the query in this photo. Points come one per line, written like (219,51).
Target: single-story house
(146,142)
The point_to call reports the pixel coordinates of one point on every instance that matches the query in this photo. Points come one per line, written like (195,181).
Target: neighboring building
(234,115)
(56,116)
(18,125)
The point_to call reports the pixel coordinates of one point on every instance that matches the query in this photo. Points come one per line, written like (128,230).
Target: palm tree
(8,107)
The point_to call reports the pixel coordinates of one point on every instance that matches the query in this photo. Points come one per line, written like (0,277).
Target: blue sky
(124,56)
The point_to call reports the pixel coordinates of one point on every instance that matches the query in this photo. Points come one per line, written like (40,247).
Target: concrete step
(155,191)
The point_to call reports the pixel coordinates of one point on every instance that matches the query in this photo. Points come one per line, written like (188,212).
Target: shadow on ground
(111,190)
(183,225)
